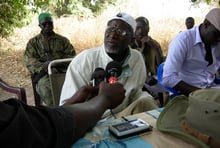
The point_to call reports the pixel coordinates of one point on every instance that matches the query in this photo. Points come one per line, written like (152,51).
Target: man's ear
(206,23)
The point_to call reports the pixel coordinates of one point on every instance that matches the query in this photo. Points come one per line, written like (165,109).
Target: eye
(121,32)
(47,24)
(118,31)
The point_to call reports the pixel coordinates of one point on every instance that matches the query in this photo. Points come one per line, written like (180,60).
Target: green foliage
(96,6)
(15,13)
(80,8)
(209,2)
(12,14)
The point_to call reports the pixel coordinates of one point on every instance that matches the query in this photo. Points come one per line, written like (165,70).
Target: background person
(152,54)
(189,22)
(150,48)
(42,49)
(194,56)
(56,127)
(118,35)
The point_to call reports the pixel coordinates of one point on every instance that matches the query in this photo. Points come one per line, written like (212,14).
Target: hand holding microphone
(110,74)
(113,71)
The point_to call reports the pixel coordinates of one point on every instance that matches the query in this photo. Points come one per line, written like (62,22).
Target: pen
(113,114)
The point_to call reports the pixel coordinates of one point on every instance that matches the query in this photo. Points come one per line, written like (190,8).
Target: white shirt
(186,61)
(83,65)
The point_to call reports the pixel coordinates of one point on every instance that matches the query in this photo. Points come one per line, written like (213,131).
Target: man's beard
(111,50)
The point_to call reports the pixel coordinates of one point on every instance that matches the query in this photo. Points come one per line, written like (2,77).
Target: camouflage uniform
(39,52)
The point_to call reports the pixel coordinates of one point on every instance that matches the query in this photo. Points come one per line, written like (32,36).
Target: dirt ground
(14,73)
(29,92)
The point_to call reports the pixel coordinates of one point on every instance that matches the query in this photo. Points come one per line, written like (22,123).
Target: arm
(85,115)
(32,58)
(84,93)
(63,125)
(156,53)
(185,88)
(177,57)
(68,49)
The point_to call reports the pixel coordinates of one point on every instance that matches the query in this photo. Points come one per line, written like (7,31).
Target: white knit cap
(126,18)
(214,17)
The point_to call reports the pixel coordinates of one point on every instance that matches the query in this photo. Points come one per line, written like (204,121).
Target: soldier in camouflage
(42,49)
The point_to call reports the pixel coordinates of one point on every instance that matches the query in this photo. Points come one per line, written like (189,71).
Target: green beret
(43,16)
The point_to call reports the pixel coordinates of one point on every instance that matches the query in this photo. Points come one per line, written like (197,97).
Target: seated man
(152,54)
(27,126)
(42,49)
(193,56)
(150,48)
(118,35)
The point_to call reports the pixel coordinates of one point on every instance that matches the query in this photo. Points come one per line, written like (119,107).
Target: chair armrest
(20,92)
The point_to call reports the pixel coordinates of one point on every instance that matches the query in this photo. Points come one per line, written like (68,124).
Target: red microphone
(112,80)
(113,70)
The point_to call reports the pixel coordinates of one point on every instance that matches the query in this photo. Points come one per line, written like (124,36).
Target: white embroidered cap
(214,17)
(126,18)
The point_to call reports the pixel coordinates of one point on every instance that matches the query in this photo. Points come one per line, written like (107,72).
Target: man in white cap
(118,34)
(194,56)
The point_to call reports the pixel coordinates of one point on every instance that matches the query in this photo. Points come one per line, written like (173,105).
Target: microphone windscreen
(113,67)
(99,72)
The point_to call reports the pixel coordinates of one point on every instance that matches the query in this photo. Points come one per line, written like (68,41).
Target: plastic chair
(217,80)
(57,77)
(172,91)
(20,92)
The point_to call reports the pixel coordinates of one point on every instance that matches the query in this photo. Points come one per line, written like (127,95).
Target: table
(99,136)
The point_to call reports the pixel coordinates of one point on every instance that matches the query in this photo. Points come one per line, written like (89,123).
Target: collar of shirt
(53,35)
(198,39)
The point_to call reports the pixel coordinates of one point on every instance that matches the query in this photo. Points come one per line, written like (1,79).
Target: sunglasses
(47,24)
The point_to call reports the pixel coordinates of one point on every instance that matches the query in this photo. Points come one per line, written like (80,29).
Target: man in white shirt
(118,35)
(194,56)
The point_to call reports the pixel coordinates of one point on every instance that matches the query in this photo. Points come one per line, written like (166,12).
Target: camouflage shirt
(40,49)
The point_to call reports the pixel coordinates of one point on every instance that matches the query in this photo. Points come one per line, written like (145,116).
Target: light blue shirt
(186,61)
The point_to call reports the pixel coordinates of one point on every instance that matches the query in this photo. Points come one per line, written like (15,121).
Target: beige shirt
(83,65)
